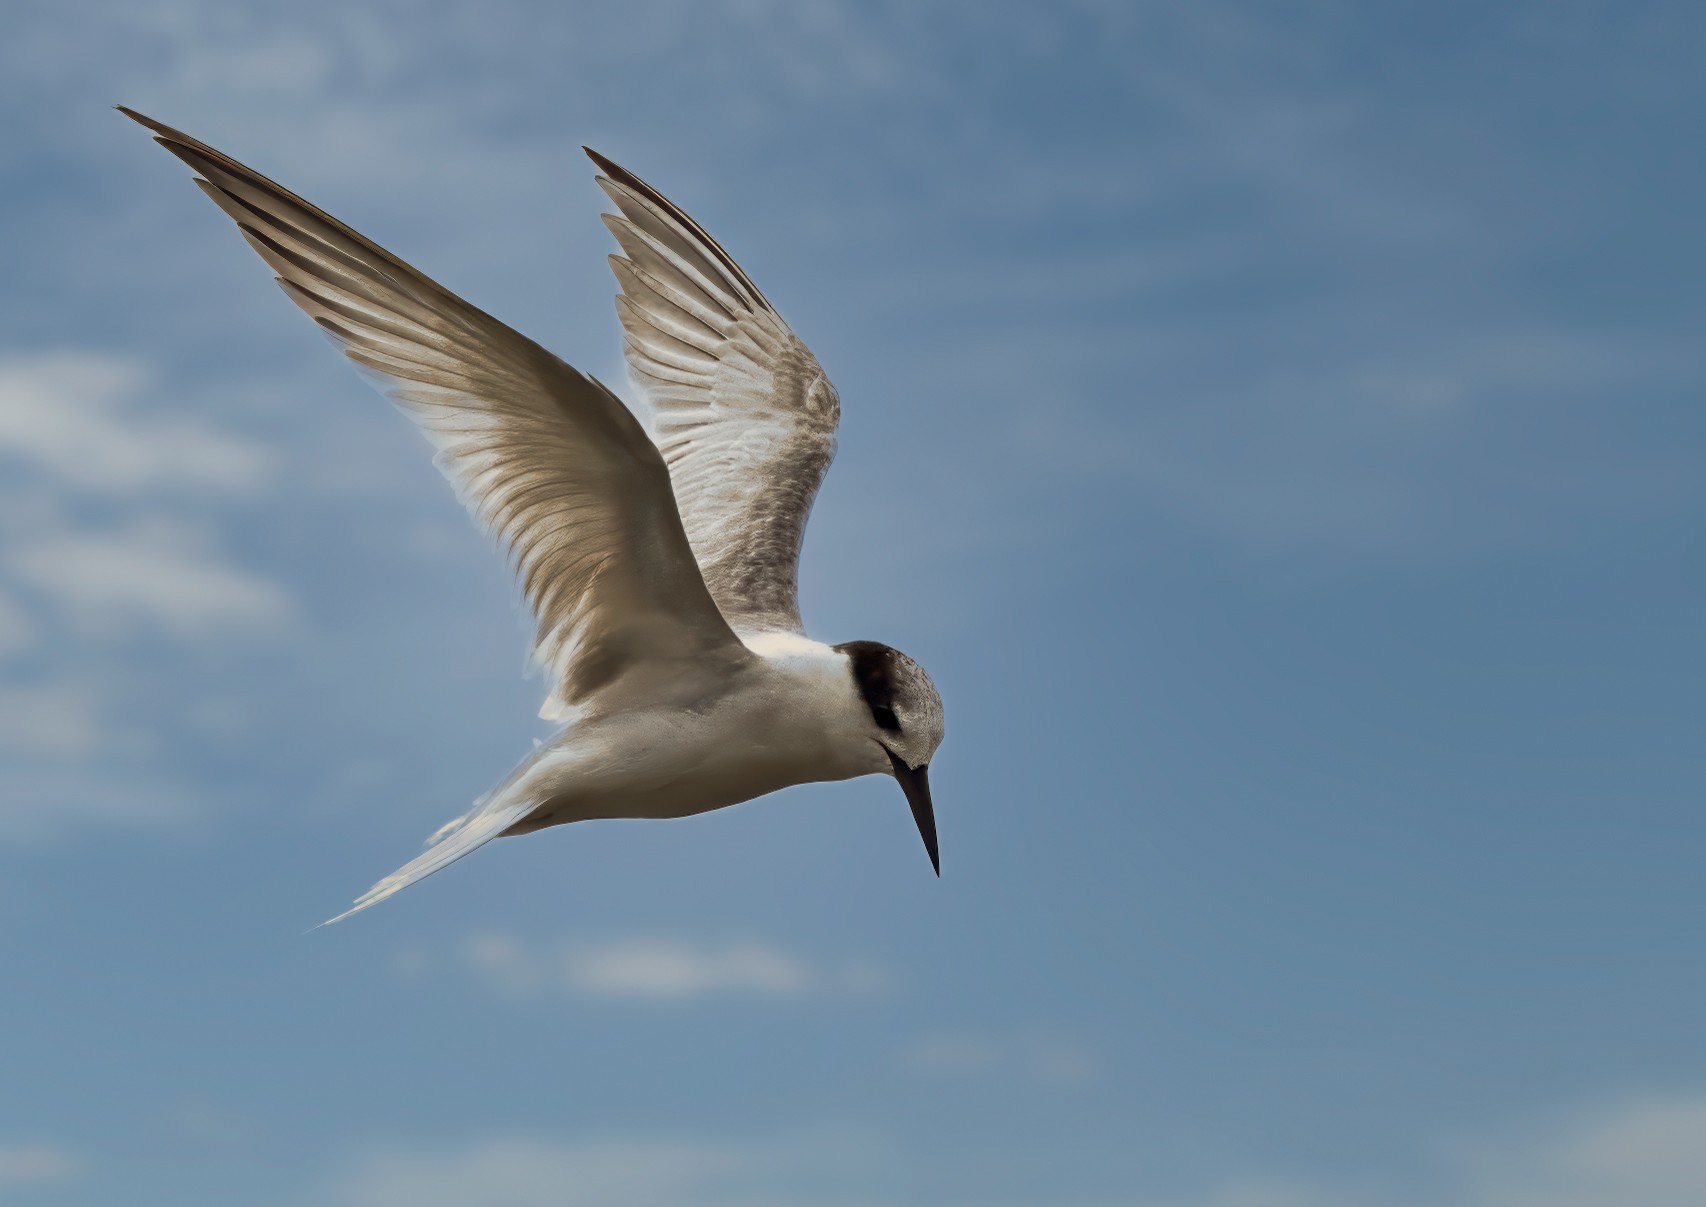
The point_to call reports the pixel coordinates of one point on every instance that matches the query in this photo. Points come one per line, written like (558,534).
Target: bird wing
(548,461)
(744,414)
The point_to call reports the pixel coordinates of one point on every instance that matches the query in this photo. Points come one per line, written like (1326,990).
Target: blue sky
(1278,428)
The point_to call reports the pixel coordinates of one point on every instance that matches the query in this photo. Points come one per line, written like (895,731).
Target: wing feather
(547,460)
(744,414)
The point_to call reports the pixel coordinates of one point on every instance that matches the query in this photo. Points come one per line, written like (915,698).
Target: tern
(662,574)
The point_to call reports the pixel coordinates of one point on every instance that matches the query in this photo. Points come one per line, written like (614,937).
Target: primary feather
(744,414)
(547,460)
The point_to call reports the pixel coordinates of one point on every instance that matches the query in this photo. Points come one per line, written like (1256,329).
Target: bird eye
(885,718)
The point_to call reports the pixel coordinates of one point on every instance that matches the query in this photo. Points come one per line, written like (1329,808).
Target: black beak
(916,785)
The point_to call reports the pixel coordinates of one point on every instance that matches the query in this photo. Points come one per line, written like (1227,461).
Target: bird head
(905,720)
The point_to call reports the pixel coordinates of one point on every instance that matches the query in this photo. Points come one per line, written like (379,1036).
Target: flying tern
(661,569)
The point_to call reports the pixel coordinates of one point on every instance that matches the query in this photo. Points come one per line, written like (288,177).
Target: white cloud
(1060,1061)
(613,1172)
(78,448)
(17,630)
(660,970)
(53,719)
(1645,1152)
(51,798)
(1252,1192)
(1648,1152)
(520,1173)
(68,760)
(1041,1058)
(676,970)
(73,415)
(22,1163)
(155,574)
(73,419)
(951,1054)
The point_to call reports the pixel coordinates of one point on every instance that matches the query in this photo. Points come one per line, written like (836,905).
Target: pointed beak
(916,785)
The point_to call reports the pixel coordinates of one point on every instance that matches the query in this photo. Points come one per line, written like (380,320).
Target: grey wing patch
(744,414)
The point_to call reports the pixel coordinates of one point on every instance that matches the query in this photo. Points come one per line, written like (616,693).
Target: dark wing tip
(144,120)
(623,176)
(620,175)
(604,165)
(175,141)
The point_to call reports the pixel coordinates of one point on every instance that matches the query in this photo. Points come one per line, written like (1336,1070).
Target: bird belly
(677,762)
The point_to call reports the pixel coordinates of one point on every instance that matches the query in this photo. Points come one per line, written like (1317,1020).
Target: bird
(661,567)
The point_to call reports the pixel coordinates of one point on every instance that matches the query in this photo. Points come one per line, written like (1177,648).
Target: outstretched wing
(745,416)
(547,460)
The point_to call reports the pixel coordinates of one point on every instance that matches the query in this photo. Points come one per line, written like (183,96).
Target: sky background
(1278,428)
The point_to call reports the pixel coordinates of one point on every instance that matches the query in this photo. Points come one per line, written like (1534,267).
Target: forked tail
(491,815)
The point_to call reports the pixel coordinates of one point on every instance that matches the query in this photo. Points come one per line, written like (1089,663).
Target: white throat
(812,686)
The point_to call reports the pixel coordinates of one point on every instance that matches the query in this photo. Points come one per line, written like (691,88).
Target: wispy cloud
(112,532)
(50,797)
(75,416)
(53,719)
(1649,1150)
(21,1164)
(647,969)
(617,1172)
(1040,1058)
(154,575)
(17,631)
(83,445)
(1649,1153)
(1644,1152)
